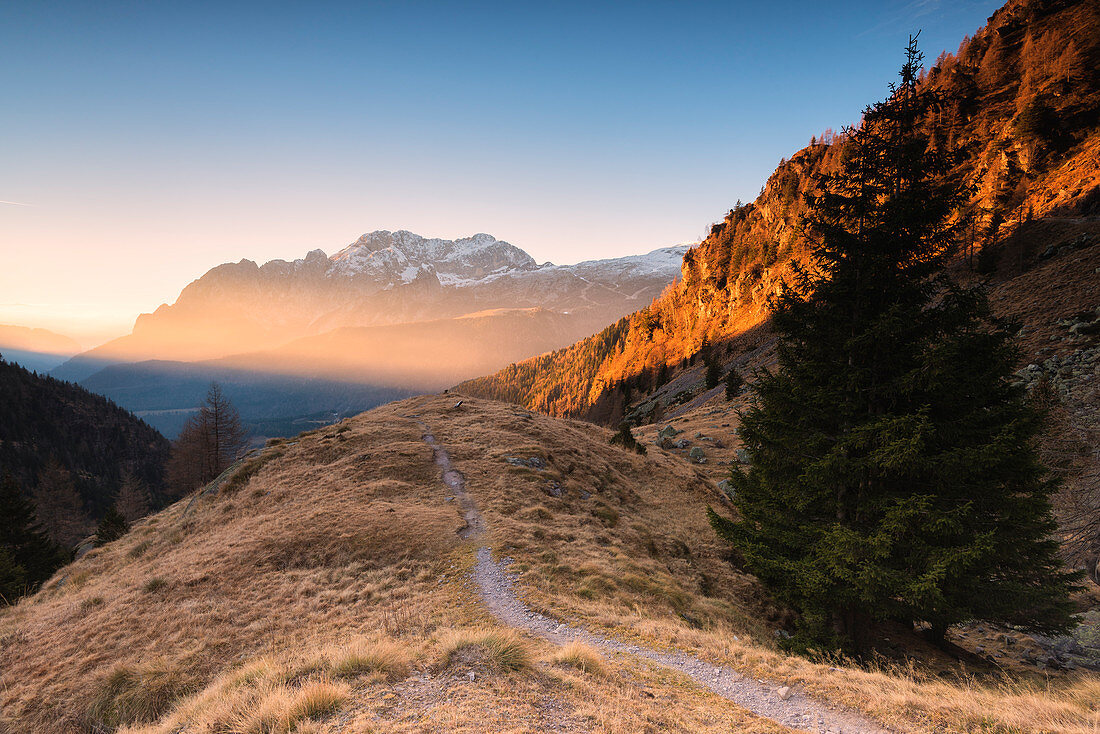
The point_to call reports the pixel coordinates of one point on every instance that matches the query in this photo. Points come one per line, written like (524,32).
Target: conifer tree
(892,474)
(733,383)
(132,500)
(112,527)
(13,577)
(713,375)
(27,555)
(59,506)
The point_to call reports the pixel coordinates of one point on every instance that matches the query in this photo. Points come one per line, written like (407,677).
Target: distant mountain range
(393,311)
(36,349)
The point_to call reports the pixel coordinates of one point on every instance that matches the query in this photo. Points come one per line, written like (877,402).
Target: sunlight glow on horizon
(158,142)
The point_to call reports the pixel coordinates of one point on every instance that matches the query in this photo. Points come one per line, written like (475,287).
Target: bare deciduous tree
(132,500)
(59,508)
(209,443)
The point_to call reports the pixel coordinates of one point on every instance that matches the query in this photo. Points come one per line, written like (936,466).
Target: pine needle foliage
(112,527)
(27,555)
(733,382)
(892,473)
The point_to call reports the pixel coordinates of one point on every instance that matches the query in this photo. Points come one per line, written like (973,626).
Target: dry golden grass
(129,696)
(383,658)
(658,574)
(580,656)
(495,649)
(332,593)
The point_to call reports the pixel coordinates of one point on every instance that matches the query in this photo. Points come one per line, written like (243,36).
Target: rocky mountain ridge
(1020,100)
(383,278)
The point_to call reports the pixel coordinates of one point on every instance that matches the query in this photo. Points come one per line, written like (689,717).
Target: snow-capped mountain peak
(400,256)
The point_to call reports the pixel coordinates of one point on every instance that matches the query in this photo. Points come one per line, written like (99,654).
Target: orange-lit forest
(1019,101)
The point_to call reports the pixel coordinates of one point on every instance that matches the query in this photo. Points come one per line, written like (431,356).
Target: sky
(143,143)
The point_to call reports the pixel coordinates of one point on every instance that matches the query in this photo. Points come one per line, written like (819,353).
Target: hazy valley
(302,341)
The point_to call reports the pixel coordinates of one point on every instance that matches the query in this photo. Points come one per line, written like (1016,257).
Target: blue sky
(152,140)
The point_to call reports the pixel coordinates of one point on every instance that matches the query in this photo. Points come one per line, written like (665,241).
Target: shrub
(155,584)
(625,438)
(112,527)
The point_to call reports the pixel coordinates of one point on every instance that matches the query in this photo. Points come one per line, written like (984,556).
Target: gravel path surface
(784,706)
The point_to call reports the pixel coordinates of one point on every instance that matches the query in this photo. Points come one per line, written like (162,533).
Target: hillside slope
(1022,103)
(329,586)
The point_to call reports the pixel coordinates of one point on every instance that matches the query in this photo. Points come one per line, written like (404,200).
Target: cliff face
(1020,100)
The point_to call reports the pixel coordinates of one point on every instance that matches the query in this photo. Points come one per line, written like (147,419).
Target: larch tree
(132,499)
(59,507)
(892,471)
(227,436)
(210,442)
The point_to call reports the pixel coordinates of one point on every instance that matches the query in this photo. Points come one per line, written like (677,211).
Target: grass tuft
(282,709)
(155,584)
(129,696)
(240,478)
(583,657)
(316,701)
(496,649)
(382,658)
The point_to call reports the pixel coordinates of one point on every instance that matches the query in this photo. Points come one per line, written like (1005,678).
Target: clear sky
(142,143)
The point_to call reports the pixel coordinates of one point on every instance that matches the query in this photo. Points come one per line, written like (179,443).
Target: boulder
(667,432)
(697,455)
(533,462)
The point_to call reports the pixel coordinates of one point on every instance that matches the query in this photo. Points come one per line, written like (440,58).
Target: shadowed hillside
(97,442)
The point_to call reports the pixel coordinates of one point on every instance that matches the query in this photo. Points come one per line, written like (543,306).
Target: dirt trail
(762,698)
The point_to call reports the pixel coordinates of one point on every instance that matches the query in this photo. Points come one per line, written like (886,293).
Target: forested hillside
(56,437)
(1019,100)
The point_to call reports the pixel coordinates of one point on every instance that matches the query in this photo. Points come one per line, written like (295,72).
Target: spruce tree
(892,474)
(713,375)
(733,383)
(13,577)
(112,527)
(27,556)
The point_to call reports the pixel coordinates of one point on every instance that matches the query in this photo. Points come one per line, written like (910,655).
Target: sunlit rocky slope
(1021,100)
